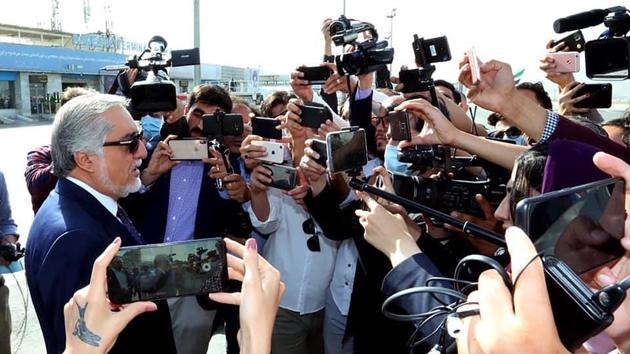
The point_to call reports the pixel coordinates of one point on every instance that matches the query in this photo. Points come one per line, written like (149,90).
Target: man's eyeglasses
(382,120)
(132,143)
(308,226)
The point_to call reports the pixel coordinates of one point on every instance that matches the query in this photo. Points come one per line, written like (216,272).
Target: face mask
(391,161)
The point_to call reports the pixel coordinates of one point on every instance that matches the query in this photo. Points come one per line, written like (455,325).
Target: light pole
(197,74)
(344,7)
(391,16)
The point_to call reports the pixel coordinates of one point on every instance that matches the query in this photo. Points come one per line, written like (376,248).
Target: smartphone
(399,125)
(582,226)
(316,75)
(600,96)
(577,315)
(282,177)
(566,62)
(189,149)
(319,146)
(266,128)
(314,116)
(411,81)
(574,41)
(161,271)
(222,124)
(275,151)
(473,61)
(346,150)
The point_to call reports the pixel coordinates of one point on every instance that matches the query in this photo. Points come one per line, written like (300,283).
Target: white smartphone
(275,151)
(474,65)
(189,149)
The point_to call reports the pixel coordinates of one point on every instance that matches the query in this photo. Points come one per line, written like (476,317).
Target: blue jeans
(335,328)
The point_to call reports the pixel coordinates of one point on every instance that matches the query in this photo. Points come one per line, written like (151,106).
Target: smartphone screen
(151,272)
(347,150)
(266,128)
(282,177)
(581,226)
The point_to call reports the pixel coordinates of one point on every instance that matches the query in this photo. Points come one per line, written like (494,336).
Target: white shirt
(306,274)
(345,269)
(108,202)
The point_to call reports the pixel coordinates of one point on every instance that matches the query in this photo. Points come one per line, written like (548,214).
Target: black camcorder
(369,55)
(152,90)
(608,57)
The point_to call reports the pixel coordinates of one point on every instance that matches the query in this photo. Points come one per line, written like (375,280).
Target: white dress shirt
(306,274)
(345,268)
(108,202)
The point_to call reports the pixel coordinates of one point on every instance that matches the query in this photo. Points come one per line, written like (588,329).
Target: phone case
(566,62)
(474,65)
(576,315)
(266,128)
(316,75)
(275,151)
(601,96)
(189,149)
(161,271)
(411,81)
(313,116)
(319,146)
(574,41)
(399,125)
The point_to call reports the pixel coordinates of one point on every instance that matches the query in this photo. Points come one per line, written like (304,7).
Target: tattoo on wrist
(82,332)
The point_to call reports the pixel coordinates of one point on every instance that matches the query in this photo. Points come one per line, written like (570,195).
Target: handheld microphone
(580,20)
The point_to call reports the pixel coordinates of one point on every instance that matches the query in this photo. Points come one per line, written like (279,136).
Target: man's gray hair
(79,126)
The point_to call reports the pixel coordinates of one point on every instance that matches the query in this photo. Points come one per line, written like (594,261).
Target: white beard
(120,191)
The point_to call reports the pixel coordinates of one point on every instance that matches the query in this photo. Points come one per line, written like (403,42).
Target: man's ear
(85,161)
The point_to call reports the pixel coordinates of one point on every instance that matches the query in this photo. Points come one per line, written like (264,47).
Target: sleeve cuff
(550,126)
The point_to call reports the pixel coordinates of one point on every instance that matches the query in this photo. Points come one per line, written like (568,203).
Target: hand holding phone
(313,116)
(282,177)
(574,42)
(189,149)
(316,75)
(399,125)
(152,272)
(275,151)
(566,62)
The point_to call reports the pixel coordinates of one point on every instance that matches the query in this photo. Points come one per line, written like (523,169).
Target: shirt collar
(108,202)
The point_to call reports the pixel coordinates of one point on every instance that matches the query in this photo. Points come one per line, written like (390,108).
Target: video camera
(369,54)
(11,253)
(608,57)
(152,90)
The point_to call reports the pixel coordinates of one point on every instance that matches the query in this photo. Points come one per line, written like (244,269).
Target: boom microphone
(579,21)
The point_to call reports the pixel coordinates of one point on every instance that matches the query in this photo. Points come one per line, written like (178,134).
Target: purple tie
(124,219)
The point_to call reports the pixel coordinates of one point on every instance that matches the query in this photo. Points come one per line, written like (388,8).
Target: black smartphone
(314,116)
(282,177)
(600,96)
(189,148)
(316,75)
(222,124)
(399,125)
(319,146)
(577,315)
(411,81)
(347,150)
(582,226)
(574,41)
(152,272)
(266,128)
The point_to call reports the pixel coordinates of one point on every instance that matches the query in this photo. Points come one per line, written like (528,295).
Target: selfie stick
(468,227)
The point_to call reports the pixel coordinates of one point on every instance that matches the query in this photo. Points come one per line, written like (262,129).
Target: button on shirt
(183,198)
(306,274)
(342,282)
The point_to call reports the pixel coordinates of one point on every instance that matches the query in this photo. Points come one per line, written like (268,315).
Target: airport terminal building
(37,65)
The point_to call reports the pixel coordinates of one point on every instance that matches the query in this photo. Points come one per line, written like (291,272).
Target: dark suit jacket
(69,232)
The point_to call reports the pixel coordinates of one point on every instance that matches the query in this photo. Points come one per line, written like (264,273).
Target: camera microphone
(579,21)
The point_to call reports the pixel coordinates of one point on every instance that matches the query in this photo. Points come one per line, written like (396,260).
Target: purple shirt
(182,201)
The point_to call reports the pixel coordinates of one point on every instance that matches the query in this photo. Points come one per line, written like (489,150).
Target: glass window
(7,94)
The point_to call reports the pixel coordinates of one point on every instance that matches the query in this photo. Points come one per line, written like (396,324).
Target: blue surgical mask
(391,161)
